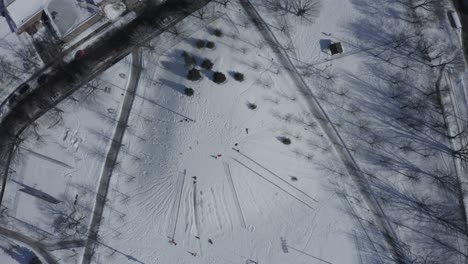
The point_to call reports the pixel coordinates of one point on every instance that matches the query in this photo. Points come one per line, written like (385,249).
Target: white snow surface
(114,10)
(163,152)
(66,14)
(177,174)
(22,10)
(64,157)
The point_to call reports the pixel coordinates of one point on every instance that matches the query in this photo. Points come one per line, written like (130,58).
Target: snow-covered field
(179,177)
(208,179)
(61,156)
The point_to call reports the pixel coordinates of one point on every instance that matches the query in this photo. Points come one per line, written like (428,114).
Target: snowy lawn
(179,177)
(61,159)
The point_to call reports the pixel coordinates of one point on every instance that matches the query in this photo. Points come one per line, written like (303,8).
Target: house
(59,17)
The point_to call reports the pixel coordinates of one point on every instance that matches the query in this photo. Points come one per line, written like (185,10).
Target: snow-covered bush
(194,75)
(210,44)
(285,140)
(207,64)
(238,76)
(251,106)
(200,44)
(219,77)
(189,60)
(218,32)
(188,91)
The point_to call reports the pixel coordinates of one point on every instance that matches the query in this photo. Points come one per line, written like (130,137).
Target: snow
(114,10)
(163,150)
(63,155)
(66,15)
(208,167)
(22,10)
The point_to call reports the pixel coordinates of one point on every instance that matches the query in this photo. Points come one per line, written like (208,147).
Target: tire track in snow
(178,202)
(276,175)
(274,184)
(235,196)
(196,216)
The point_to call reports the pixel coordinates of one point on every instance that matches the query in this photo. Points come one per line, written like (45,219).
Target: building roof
(21,10)
(336,48)
(64,14)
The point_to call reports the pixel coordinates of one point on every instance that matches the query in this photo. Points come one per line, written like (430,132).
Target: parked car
(12,98)
(42,79)
(79,54)
(23,88)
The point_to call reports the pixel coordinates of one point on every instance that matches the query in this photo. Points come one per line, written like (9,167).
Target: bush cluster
(194,74)
(188,91)
(219,77)
(239,76)
(207,64)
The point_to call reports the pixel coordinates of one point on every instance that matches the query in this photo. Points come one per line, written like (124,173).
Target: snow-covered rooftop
(21,10)
(66,14)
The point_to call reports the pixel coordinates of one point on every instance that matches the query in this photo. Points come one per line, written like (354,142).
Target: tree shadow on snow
(19,253)
(176,68)
(175,86)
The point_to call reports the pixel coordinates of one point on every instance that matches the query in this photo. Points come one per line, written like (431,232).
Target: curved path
(34,245)
(112,154)
(333,135)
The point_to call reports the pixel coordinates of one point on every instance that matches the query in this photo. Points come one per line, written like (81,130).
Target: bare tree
(140,35)
(306,9)
(202,13)
(223,2)
(91,88)
(25,54)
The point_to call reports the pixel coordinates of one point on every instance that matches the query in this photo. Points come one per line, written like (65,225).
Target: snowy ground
(380,95)
(244,201)
(208,167)
(62,157)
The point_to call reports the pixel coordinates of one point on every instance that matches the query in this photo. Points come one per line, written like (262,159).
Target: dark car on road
(23,88)
(42,79)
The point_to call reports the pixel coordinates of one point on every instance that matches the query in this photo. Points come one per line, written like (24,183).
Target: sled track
(235,196)
(178,201)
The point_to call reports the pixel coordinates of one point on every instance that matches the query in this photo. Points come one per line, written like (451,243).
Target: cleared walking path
(112,154)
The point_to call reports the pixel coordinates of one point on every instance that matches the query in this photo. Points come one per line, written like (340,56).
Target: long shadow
(37,193)
(175,67)
(171,84)
(19,253)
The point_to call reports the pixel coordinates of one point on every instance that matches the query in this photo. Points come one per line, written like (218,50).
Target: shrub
(210,44)
(194,75)
(285,140)
(200,44)
(188,91)
(207,64)
(188,59)
(251,106)
(238,76)
(219,77)
(218,32)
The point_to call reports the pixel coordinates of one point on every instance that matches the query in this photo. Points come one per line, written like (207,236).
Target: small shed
(336,48)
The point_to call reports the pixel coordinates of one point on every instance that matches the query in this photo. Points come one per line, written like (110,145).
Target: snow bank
(114,10)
